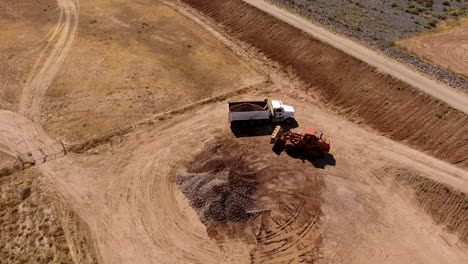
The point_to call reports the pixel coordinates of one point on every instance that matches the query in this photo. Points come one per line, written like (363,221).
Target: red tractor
(307,146)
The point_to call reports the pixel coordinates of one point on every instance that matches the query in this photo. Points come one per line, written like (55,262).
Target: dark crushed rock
(245,107)
(220,185)
(378,24)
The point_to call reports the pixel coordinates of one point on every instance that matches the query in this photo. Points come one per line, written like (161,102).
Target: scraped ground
(364,207)
(446,47)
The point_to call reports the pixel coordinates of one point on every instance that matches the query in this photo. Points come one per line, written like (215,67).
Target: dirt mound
(245,107)
(240,189)
(220,185)
(351,86)
(446,205)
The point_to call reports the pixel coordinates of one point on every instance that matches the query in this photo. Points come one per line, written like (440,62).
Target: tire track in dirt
(19,135)
(47,67)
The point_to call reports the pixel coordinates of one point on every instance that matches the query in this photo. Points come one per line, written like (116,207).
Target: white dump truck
(252,113)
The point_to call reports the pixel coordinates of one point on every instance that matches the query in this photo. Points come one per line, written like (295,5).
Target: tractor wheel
(279,146)
(292,150)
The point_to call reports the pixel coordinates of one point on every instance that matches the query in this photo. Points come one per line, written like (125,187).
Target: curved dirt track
(445,47)
(49,62)
(27,135)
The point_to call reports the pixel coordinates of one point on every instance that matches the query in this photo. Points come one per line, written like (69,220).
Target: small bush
(446,3)
(394,4)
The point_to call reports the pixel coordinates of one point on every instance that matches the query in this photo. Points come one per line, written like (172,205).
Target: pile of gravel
(245,107)
(220,186)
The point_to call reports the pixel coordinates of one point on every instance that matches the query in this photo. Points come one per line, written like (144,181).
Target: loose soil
(245,107)
(348,85)
(231,182)
(445,47)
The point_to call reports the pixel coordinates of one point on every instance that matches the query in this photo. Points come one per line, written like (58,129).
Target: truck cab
(281,112)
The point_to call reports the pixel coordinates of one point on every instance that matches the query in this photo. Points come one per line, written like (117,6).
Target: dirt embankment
(446,205)
(355,89)
(32,226)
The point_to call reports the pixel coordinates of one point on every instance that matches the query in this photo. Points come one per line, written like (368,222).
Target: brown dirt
(232,181)
(350,86)
(245,107)
(444,47)
(31,230)
(445,204)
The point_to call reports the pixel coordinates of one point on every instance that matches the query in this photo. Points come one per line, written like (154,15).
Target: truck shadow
(251,131)
(256,131)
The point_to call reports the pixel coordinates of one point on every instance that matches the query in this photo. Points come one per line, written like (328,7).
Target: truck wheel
(289,121)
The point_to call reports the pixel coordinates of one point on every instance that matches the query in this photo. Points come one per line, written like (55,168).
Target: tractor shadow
(317,162)
(328,160)
(257,131)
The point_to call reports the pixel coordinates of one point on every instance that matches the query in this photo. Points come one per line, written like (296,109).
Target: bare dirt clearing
(446,47)
(138,194)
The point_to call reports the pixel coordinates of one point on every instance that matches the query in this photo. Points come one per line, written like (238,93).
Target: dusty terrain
(125,198)
(446,47)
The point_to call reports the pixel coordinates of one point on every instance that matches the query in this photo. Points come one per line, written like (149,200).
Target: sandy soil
(446,47)
(345,211)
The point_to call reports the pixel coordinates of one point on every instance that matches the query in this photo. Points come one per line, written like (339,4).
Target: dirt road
(452,97)
(49,62)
